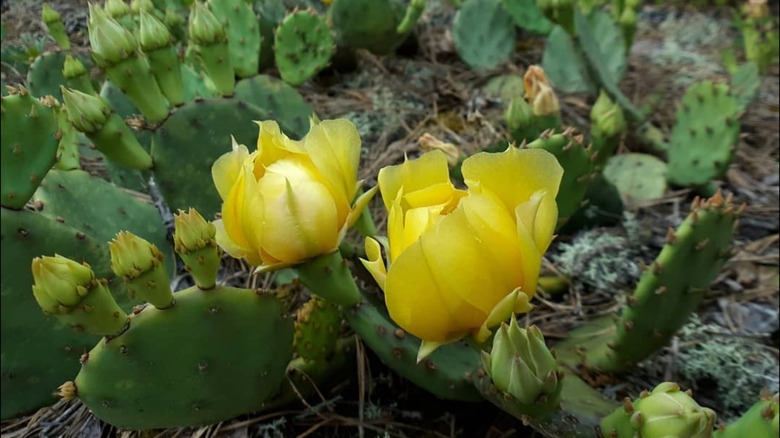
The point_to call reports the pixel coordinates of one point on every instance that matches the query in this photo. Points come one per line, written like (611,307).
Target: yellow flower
(289,201)
(463,261)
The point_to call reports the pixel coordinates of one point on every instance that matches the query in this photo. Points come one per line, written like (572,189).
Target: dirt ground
(394,100)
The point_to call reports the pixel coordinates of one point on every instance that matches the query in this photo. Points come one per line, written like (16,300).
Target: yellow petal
(300,218)
(513,175)
(231,247)
(334,148)
(360,203)
(539,216)
(225,170)
(420,305)
(532,256)
(272,146)
(475,253)
(374,263)
(428,170)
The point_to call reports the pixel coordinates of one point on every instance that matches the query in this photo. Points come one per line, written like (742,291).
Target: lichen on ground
(739,366)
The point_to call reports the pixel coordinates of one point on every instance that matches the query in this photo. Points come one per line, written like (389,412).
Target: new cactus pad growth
(243,34)
(211,47)
(303,46)
(53,22)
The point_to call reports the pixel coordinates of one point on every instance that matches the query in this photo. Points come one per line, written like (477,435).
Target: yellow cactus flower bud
(141,265)
(72,67)
(429,143)
(533,81)
(445,243)
(69,290)
(153,33)
(290,200)
(195,242)
(545,102)
(68,391)
(116,9)
(138,6)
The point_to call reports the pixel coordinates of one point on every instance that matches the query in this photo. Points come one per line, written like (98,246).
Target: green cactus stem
(157,43)
(329,277)
(195,242)
(211,46)
(413,12)
(53,22)
(69,290)
(91,115)
(666,411)
(115,49)
(142,267)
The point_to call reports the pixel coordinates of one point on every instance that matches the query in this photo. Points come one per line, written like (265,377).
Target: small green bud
(607,117)
(195,242)
(49,15)
(87,112)
(116,9)
(110,41)
(204,27)
(69,290)
(73,67)
(193,232)
(172,18)
(664,412)
(519,114)
(142,266)
(522,366)
(132,256)
(154,34)
(138,6)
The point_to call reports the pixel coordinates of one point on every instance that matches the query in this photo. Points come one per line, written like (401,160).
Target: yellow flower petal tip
(427,348)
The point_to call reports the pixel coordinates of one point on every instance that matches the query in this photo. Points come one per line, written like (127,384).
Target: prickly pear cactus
(369,24)
(669,290)
(30,139)
(527,15)
(45,75)
(445,373)
(317,328)
(303,46)
(484,33)
(243,33)
(704,136)
(211,356)
(638,177)
(282,102)
(575,158)
(39,352)
(190,140)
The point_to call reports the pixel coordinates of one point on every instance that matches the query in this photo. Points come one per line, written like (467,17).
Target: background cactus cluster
(93,305)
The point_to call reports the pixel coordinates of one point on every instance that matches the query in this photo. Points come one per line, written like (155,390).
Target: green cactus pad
(39,352)
(303,46)
(29,147)
(704,136)
(212,356)
(484,34)
(565,65)
(243,34)
(446,373)
(669,290)
(528,16)
(760,421)
(188,143)
(45,75)
(282,102)
(317,328)
(195,84)
(369,24)
(638,177)
(575,158)
(99,209)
